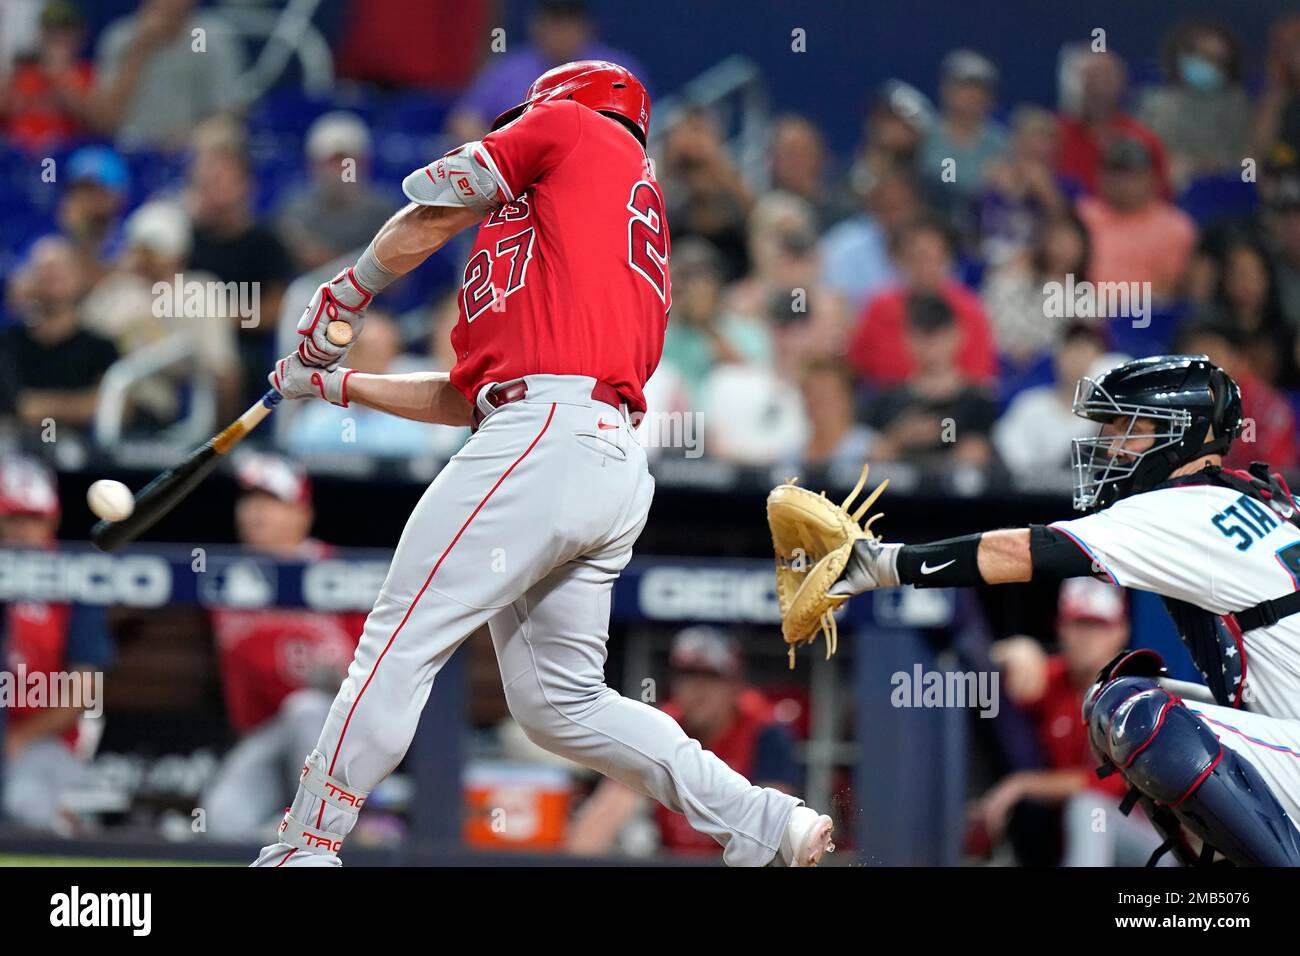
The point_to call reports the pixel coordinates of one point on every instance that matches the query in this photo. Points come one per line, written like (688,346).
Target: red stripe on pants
(427,581)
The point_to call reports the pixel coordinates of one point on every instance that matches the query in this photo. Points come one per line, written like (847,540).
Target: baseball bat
(165,492)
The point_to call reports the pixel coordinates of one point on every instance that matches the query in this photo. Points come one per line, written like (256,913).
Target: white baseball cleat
(807,838)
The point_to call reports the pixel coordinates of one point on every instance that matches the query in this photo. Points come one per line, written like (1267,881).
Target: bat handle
(246,422)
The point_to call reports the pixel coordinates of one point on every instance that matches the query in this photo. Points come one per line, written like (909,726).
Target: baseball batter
(563,305)
(1223,550)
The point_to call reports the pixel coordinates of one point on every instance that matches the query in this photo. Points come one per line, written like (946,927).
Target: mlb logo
(239,583)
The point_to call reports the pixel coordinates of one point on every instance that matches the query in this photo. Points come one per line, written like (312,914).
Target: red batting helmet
(597,84)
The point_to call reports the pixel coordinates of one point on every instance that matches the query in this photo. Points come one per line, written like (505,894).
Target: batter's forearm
(419,396)
(417,232)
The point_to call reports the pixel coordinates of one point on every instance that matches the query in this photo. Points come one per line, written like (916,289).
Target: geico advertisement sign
(709,594)
(136,580)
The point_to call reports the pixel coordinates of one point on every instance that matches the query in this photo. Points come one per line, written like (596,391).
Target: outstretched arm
(994,557)
(419,396)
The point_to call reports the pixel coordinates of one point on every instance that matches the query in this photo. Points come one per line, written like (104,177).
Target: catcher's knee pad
(1169,755)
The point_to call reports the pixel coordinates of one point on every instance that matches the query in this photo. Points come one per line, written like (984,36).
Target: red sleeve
(1281,449)
(979,356)
(239,682)
(1075,154)
(878,349)
(527,149)
(354,622)
(1057,677)
(1160,160)
(85,73)
(859,354)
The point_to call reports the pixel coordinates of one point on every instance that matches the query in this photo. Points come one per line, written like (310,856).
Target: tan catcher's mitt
(813,538)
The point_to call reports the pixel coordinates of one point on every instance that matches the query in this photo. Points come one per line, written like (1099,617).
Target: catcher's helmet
(598,84)
(1185,395)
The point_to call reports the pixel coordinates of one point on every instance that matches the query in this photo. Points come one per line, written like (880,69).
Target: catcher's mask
(1183,396)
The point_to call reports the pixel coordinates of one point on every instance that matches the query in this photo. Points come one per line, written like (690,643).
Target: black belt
(500,395)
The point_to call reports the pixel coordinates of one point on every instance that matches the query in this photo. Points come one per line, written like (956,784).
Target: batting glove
(344,298)
(293,378)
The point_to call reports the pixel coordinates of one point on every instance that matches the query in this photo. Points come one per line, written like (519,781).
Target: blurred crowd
(938,300)
(932,298)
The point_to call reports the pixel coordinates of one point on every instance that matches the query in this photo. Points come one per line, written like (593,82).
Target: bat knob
(339,332)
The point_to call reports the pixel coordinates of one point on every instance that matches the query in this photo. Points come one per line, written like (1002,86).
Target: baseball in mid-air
(110,500)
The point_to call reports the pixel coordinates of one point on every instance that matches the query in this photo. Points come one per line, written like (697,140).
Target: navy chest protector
(1213,641)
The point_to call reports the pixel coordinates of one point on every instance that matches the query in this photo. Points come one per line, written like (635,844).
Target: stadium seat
(409,134)
(1153,339)
(1015,378)
(1217,197)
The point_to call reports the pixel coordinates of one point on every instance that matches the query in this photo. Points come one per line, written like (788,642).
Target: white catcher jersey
(1218,549)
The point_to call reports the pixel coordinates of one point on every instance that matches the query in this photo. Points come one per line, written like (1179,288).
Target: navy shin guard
(1167,754)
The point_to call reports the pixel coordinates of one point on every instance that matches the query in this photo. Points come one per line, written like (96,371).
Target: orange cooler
(516,805)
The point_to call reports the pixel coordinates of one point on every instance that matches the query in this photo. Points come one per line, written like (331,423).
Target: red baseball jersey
(42,638)
(570,277)
(265,655)
(1058,718)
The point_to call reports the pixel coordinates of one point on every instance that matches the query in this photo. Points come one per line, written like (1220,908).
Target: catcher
(1221,547)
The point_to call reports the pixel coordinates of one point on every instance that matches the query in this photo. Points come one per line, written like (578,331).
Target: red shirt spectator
(267,654)
(44,640)
(440,48)
(1082,147)
(47,99)
(1270,425)
(1268,433)
(38,114)
(1136,236)
(1098,121)
(1062,732)
(714,706)
(878,348)
(1092,627)
(40,640)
